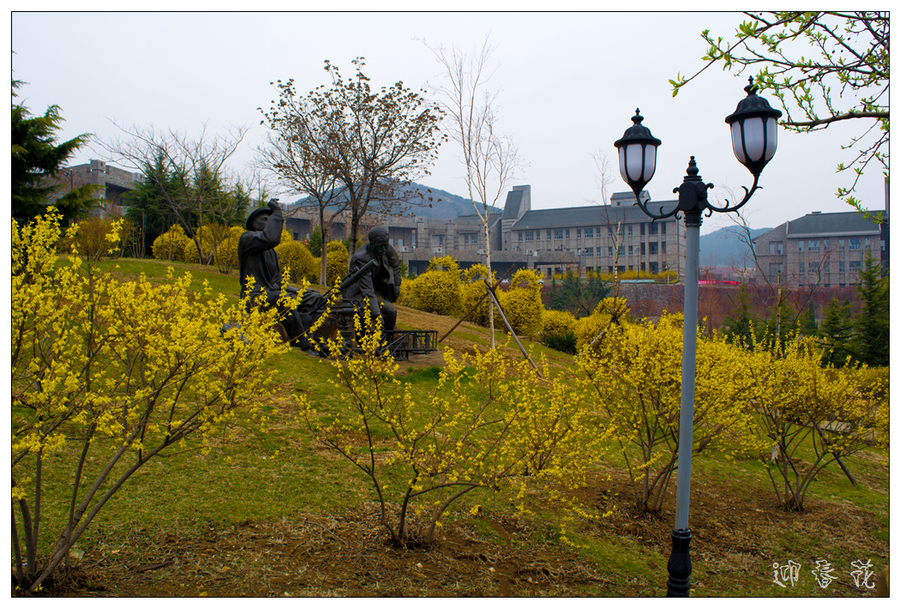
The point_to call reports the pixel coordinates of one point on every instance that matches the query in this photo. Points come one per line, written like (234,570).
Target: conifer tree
(37,158)
(871,338)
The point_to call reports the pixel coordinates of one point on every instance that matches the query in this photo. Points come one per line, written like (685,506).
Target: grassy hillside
(270,512)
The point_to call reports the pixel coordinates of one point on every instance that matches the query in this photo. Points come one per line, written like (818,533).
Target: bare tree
(194,179)
(293,153)
(370,144)
(490,159)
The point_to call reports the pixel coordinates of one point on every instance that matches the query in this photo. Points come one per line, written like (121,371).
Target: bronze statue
(257,259)
(381,285)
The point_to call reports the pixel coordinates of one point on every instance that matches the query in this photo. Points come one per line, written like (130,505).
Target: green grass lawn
(265,474)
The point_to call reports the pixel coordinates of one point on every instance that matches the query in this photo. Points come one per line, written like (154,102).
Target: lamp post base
(679,583)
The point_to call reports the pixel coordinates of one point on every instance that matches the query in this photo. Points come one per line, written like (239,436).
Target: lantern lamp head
(754,133)
(637,155)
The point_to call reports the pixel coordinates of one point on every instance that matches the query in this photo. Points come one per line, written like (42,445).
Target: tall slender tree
(490,159)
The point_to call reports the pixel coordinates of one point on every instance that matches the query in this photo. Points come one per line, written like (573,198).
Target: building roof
(591,215)
(513,204)
(822,224)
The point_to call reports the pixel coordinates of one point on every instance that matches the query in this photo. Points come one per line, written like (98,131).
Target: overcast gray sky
(569,81)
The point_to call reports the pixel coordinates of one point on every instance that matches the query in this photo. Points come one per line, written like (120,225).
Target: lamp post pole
(754,140)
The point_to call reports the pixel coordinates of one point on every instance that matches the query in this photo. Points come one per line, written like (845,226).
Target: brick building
(610,238)
(825,249)
(113,182)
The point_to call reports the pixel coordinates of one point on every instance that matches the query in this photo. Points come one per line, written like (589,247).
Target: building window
(521,236)
(630,229)
(588,233)
(548,234)
(802,267)
(643,248)
(664,228)
(654,228)
(631,250)
(842,267)
(814,245)
(589,251)
(475,239)
(841,244)
(799,245)
(578,233)
(826,267)
(826,244)
(854,243)
(663,245)
(557,234)
(529,236)
(643,228)
(868,244)
(610,253)
(854,266)
(654,248)
(567,233)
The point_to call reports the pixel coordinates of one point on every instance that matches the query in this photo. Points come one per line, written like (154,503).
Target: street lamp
(754,139)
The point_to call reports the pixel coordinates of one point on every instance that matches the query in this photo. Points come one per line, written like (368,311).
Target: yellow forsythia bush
(472,290)
(522,303)
(337,262)
(408,292)
(299,262)
(227,251)
(106,374)
(438,289)
(558,322)
(610,311)
(170,245)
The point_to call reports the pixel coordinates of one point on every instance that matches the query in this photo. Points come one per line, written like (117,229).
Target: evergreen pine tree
(738,329)
(870,344)
(37,159)
(835,332)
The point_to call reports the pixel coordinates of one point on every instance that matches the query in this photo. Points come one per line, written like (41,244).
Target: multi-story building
(824,249)
(610,238)
(113,184)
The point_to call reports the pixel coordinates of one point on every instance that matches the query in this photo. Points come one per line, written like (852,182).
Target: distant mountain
(434,203)
(727,247)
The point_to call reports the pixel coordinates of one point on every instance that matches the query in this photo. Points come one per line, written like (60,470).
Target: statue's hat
(255,214)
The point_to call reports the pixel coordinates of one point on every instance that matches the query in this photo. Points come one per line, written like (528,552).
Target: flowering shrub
(798,401)
(522,303)
(92,238)
(558,322)
(473,289)
(299,263)
(559,331)
(608,313)
(170,245)
(227,251)
(113,373)
(635,373)
(337,262)
(494,425)
(438,289)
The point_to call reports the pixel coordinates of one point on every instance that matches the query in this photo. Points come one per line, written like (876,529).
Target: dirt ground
(735,534)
